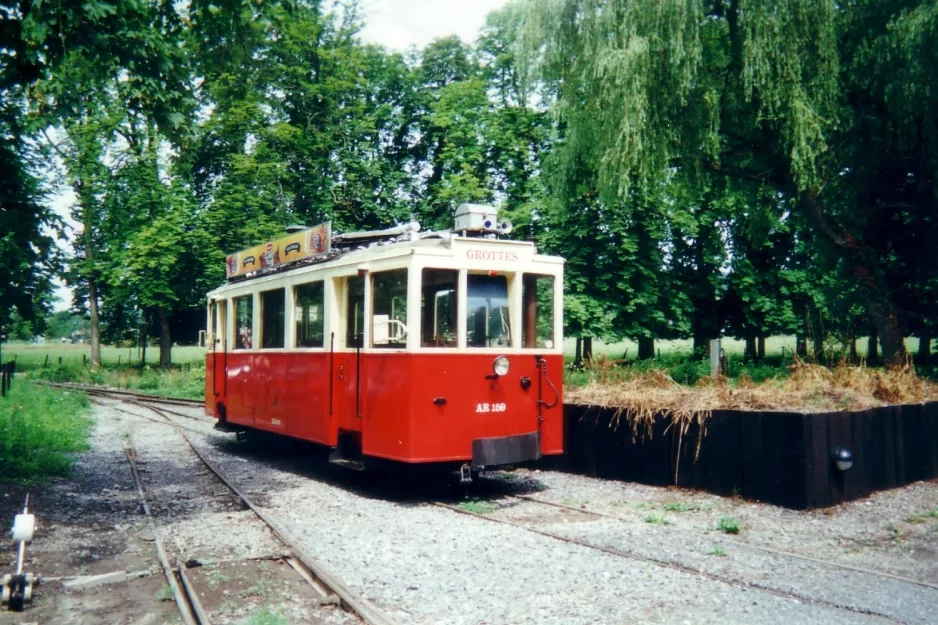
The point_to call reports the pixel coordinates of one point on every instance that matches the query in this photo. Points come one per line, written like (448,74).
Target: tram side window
(537,295)
(272,324)
(309,314)
(244,318)
(487,322)
(355,312)
(438,308)
(389,309)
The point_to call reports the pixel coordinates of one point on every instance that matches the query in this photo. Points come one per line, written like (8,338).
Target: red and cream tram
(434,347)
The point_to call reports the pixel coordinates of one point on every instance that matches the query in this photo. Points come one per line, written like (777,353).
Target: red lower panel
(409,407)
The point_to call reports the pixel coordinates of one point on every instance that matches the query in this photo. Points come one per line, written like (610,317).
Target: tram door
(219,346)
(348,364)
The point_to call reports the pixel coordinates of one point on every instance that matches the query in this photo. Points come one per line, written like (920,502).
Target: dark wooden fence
(7,371)
(778,457)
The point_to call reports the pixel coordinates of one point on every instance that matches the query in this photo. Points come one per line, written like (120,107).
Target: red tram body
(418,348)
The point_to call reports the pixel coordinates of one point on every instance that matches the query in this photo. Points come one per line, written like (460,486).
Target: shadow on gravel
(389,481)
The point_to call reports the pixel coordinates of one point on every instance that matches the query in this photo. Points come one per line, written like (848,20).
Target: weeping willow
(793,94)
(639,86)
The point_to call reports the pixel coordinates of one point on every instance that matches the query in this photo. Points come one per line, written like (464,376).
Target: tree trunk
(872,349)
(578,354)
(750,354)
(801,345)
(817,339)
(646,348)
(924,348)
(761,349)
(701,342)
(853,349)
(588,349)
(95,321)
(143,345)
(862,264)
(166,345)
(87,218)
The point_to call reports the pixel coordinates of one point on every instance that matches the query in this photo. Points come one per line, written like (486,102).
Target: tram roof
(446,242)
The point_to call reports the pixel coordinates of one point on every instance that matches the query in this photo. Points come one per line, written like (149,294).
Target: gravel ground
(894,531)
(198,517)
(425,564)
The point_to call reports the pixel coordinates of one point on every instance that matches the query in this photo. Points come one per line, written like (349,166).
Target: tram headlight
(501,365)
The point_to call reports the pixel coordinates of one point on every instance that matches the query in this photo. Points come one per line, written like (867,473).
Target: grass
(477,507)
(216,579)
(719,551)
(729,525)
(657,519)
(257,590)
(922,518)
(165,593)
(31,356)
(186,381)
(679,506)
(266,617)
(40,430)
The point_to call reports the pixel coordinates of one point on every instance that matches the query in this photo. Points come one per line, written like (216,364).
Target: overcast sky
(399,24)
(395,24)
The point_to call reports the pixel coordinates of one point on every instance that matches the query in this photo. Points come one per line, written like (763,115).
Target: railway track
(103,391)
(735,581)
(327,586)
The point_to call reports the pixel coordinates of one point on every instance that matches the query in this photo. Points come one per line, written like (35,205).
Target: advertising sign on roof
(316,241)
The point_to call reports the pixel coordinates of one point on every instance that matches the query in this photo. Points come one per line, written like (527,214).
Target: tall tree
(756,91)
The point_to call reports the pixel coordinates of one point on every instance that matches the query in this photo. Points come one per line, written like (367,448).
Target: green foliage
(63,323)
(187,381)
(165,593)
(657,519)
(776,131)
(680,506)
(728,525)
(477,507)
(267,616)
(706,168)
(40,430)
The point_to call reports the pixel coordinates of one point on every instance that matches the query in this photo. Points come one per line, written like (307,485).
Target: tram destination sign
(310,243)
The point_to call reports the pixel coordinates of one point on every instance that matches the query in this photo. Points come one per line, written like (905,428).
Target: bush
(728,525)
(40,429)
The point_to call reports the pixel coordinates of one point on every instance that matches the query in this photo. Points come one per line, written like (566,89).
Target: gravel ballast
(426,564)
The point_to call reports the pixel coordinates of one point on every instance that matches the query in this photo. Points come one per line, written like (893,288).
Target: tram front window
(389,309)
(487,322)
(438,308)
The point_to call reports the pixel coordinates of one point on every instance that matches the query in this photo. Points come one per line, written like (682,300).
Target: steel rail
(348,599)
(182,601)
(671,565)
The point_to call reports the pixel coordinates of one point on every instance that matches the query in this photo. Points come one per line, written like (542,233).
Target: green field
(684,347)
(30,356)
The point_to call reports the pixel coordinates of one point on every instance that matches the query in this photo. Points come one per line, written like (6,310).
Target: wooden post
(715,358)
(60,360)
(46,363)
(84,359)
(118,360)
